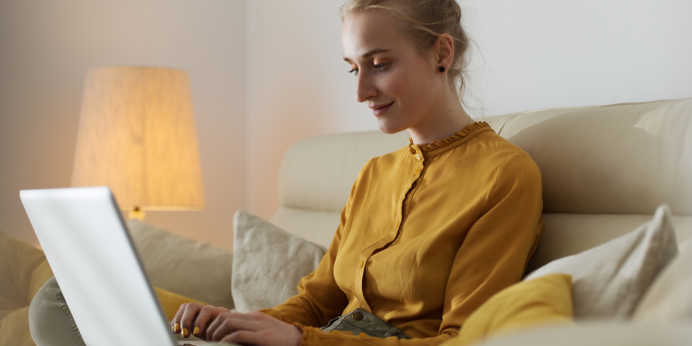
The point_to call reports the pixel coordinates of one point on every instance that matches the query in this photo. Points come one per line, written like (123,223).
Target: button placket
(415,151)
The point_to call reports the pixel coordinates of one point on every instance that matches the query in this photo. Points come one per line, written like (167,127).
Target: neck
(442,122)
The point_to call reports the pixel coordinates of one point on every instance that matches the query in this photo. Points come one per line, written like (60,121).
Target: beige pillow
(670,297)
(268,262)
(187,267)
(609,280)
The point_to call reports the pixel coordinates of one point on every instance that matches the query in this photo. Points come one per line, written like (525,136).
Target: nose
(365,88)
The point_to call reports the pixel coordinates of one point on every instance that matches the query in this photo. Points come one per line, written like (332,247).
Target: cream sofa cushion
(268,262)
(609,280)
(600,334)
(569,234)
(613,159)
(670,297)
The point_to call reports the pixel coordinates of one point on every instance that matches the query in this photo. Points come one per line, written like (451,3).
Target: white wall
(46,48)
(297,87)
(526,55)
(545,53)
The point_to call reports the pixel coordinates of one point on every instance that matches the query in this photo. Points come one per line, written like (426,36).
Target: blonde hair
(425,21)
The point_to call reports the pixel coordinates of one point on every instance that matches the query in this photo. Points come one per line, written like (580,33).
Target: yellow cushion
(527,304)
(170,302)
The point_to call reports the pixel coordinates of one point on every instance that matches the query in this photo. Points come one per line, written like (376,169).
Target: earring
(441,68)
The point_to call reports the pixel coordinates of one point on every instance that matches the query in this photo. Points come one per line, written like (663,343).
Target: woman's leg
(50,321)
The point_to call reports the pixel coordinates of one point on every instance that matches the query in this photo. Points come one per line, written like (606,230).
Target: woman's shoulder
(507,163)
(504,152)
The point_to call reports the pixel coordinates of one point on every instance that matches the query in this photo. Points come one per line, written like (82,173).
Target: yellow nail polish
(185,332)
(196,331)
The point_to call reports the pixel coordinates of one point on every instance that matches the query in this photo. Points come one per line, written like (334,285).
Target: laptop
(100,273)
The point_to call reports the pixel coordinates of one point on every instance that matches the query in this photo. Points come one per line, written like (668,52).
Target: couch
(605,170)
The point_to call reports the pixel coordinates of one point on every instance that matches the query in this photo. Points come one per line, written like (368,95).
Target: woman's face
(399,84)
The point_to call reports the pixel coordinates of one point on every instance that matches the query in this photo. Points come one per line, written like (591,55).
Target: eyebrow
(370,53)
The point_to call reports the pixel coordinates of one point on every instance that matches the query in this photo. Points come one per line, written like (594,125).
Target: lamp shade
(137,136)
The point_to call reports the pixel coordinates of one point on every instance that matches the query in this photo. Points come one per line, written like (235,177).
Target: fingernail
(176,328)
(185,332)
(196,331)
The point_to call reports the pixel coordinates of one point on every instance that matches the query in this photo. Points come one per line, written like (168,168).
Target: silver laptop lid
(96,265)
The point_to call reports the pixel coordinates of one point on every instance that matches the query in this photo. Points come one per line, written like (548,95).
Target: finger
(218,322)
(175,322)
(213,326)
(189,315)
(205,316)
(245,337)
(232,324)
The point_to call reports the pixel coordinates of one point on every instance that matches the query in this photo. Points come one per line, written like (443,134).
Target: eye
(381,66)
(353,71)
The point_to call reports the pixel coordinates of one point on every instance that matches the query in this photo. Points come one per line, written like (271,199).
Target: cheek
(397,85)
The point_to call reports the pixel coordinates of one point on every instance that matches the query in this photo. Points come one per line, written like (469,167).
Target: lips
(381,109)
(385,105)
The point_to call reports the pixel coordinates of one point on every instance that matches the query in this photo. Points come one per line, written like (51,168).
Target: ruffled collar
(455,137)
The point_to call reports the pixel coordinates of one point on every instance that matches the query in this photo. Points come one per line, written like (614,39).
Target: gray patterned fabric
(362,321)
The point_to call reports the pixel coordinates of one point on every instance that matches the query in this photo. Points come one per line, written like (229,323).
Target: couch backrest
(605,169)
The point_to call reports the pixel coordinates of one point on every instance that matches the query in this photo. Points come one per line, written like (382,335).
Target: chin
(389,128)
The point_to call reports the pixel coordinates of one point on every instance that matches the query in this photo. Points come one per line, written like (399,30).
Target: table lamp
(137,136)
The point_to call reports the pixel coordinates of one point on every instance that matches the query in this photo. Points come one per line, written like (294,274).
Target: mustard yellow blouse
(429,232)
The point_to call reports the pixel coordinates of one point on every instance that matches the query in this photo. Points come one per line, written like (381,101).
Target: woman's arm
(498,246)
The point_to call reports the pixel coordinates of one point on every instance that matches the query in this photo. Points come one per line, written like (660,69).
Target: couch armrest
(18,261)
(187,267)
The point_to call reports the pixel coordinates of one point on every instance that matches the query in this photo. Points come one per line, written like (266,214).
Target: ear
(444,50)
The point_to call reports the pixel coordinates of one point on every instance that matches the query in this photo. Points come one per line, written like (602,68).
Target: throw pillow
(610,279)
(528,304)
(192,268)
(670,297)
(268,262)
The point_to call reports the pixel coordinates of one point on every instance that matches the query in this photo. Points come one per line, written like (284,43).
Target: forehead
(365,31)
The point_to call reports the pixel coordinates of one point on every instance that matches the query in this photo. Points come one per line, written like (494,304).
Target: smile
(379,110)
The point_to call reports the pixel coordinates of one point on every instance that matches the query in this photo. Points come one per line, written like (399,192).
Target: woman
(429,232)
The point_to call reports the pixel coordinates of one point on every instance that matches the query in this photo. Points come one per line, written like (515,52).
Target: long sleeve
(498,246)
(493,255)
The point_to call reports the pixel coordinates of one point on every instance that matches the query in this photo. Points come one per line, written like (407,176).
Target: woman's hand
(253,328)
(193,318)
